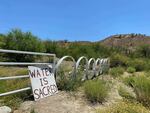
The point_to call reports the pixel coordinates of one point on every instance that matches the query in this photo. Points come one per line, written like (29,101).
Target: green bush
(116,71)
(24,41)
(147,65)
(143,51)
(118,60)
(125,107)
(138,64)
(2,40)
(95,90)
(131,70)
(129,81)
(147,73)
(67,83)
(141,86)
(50,46)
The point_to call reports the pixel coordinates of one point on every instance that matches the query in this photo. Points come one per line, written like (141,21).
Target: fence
(97,68)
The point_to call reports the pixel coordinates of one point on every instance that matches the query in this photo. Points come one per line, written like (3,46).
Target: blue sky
(90,20)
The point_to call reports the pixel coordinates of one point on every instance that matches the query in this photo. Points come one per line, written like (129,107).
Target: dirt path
(60,103)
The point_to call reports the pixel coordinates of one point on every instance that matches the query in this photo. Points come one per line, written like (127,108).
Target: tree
(2,37)
(18,40)
(50,46)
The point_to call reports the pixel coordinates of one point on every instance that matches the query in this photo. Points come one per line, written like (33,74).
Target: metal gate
(96,69)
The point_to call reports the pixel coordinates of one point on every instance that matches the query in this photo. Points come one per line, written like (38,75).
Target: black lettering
(41,93)
(49,89)
(46,72)
(43,72)
(53,89)
(45,81)
(41,82)
(38,73)
(44,91)
(36,96)
(32,74)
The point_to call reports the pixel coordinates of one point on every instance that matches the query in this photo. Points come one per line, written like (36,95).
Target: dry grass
(125,107)
(12,71)
(123,92)
(9,85)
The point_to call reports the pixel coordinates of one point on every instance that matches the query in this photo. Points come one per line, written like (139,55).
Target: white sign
(42,81)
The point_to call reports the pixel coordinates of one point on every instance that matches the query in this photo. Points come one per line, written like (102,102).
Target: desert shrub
(67,83)
(138,64)
(95,90)
(131,70)
(124,93)
(129,81)
(116,71)
(143,51)
(105,68)
(141,86)
(147,74)
(125,107)
(147,65)
(142,90)
(118,60)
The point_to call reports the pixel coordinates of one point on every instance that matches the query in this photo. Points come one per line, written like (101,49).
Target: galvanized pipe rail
(15,91)
(14,77)
(20,63)
(25,52)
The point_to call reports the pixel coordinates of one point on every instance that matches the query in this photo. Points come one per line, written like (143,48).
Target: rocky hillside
(126,40)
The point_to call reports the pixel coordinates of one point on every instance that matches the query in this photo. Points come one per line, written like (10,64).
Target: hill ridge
(126,40)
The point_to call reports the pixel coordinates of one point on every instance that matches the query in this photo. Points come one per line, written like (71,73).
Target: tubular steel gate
(97,67)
